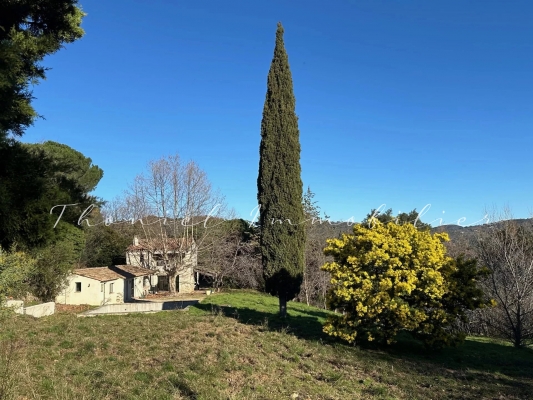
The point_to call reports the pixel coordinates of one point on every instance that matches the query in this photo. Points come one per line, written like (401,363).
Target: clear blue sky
(405,103)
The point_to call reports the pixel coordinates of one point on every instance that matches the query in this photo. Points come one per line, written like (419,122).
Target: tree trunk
(306,288)
(282,306)
(172,282)
(518,330)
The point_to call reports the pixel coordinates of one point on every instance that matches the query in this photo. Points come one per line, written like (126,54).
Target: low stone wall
(38,311)
(41,310)
(140,307)
(17,305)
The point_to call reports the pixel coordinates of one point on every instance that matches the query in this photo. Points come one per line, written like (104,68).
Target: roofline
(99,280)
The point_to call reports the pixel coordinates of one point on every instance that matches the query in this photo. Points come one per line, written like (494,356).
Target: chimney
(135,240)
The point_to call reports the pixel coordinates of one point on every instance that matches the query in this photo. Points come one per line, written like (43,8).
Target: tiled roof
(102,274)
(132,270)
(170,244)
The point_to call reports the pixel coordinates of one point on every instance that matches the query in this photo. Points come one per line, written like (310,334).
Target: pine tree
(279,184)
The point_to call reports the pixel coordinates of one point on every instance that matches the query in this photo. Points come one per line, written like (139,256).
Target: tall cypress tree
(279,184)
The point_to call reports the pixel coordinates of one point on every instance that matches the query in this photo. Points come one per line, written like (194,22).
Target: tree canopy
(412,217)
(389,278)
(279,183)
(33,179)
(15,266)
(29,31)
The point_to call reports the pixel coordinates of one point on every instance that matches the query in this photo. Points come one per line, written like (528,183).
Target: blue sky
(403,103)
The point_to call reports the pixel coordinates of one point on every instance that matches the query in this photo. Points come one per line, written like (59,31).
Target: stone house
(155,254)
(104,285)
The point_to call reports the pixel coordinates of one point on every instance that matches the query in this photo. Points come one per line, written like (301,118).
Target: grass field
(233,346)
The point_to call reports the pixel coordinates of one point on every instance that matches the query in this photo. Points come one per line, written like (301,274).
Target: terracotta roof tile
(102,274)
(132,270)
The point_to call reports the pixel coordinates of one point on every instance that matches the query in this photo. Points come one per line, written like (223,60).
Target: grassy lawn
(233,346)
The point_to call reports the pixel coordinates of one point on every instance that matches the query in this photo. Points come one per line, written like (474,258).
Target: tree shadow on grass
(307,327)
(476,363)
(483,369)
(474,354)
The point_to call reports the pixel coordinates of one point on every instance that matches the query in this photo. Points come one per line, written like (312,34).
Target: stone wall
(17,305)
(140,307)
(38,311)
(41,310)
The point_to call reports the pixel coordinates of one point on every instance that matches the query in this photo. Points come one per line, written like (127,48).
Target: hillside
(232,346)
(456,232)
(466,237)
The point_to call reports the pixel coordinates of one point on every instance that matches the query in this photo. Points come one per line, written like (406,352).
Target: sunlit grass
(234,346)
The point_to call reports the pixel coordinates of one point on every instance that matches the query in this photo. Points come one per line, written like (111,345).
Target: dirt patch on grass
(167,296)
(72,309)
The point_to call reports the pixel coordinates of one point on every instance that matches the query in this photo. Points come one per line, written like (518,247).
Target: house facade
(104,285)
(155,254)
(136,280)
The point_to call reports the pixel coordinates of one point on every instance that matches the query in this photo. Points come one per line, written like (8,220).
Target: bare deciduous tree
(234,259)
(506,248)
(176,209)
(315,281)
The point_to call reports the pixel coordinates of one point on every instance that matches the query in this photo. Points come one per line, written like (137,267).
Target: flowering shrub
(389,278)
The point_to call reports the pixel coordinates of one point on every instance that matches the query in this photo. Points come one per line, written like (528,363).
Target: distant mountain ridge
(457,232)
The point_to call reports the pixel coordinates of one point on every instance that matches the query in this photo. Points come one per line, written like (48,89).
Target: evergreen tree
(30,30)
(279,184)
(33,179)
(311,210)
(413,218)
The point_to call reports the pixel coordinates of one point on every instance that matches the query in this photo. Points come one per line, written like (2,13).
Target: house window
(78,286)
(142,258)
(111,287)
(102,287)
(159,261)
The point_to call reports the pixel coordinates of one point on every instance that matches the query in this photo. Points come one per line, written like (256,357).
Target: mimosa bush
(389,278)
